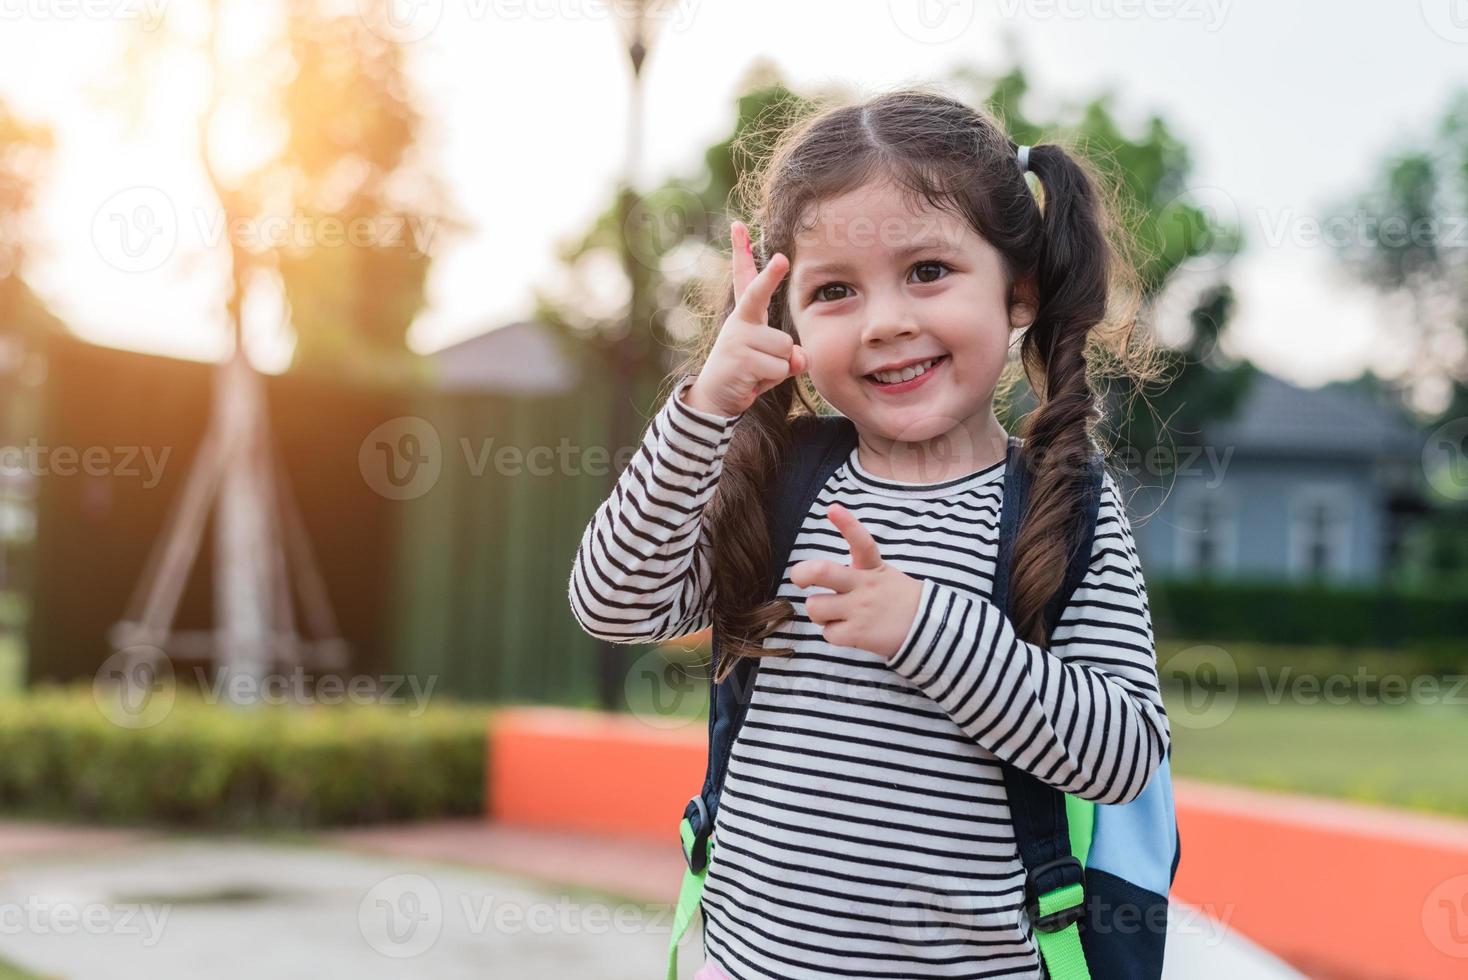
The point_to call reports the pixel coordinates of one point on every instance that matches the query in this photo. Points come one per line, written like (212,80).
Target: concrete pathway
(447,900)
(224,910)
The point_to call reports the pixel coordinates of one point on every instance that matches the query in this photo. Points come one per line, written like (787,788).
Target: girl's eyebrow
(837,265)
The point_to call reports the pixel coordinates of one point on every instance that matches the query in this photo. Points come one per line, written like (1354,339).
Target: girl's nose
(886,326)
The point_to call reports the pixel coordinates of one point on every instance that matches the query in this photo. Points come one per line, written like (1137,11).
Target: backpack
(1097,875)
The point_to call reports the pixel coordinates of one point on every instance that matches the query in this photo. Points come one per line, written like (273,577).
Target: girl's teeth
(906,374)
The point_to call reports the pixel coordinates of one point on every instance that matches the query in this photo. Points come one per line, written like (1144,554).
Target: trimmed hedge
(1259,668)
(1273,612)
(208,765)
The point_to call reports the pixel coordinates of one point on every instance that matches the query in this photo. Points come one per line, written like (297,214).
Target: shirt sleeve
(1084,716)
(642,571)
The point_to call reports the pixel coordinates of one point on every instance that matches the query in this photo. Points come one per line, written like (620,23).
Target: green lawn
(9,971)
(12,666)
(1408,756)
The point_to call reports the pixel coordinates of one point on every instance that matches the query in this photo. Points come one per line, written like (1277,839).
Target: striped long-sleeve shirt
(863,829)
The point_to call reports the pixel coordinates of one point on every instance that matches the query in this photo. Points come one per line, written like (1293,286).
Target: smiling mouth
(893,379)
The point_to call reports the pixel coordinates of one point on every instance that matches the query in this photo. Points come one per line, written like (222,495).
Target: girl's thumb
(798,360)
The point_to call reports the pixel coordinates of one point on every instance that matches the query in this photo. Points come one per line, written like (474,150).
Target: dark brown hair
(949,155)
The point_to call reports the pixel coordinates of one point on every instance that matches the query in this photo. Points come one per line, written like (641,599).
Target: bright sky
(1286,107)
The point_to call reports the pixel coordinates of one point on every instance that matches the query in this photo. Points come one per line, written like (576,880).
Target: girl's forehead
(875,214)
(840,231)
(875,198)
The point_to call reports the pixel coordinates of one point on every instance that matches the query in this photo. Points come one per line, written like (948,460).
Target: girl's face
(875,287)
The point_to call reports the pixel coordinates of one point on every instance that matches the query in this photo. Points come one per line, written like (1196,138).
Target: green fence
(485,555)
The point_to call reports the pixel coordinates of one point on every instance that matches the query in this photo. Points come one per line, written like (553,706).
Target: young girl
(905,252)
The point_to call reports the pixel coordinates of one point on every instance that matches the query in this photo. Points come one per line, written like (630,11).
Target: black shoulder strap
(1042,833)
(819,445)
(1017,481)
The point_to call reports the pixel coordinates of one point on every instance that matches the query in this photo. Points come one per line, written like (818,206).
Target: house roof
(518,358)
(1278,417)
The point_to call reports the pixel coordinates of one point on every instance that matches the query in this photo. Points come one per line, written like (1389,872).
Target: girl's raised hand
(749,357)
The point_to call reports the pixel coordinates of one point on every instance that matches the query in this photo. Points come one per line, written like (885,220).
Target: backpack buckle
(1064,902)
(695,841)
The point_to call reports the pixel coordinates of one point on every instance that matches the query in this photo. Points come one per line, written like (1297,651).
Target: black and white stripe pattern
(864,829)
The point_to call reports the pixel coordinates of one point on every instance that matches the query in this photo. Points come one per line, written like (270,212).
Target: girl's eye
(932,265)
(819,294)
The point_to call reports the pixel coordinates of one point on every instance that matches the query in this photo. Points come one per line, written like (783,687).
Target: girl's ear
(1024,303)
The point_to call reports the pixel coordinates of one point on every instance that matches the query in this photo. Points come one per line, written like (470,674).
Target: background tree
(25,154)
(358,213)
(1406,235)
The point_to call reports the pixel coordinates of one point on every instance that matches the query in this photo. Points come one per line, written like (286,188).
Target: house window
(1319,532)
(1207,533)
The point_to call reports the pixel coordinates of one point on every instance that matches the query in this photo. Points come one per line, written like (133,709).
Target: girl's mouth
(896,387)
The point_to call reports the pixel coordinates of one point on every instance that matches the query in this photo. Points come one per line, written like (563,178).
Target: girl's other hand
(749,357)
(872,605)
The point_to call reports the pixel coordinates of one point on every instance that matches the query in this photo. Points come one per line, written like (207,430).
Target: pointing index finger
(864,551)
(753,306)
(744,268)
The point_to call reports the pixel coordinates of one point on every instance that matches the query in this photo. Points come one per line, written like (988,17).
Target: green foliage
(347,111)
(1402,234)
(1275,612)
(25,154)
(209,765)
(340,207)
(1253,668)
(1149,174)
(9,971)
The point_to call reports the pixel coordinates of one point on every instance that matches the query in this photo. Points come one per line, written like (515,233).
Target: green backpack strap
(690,895)
(1061,949)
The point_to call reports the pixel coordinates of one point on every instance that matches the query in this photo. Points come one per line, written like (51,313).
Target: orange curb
(1339,889)
(1336,888)
(593,772)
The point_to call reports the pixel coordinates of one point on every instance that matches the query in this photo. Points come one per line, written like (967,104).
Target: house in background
(521,358)
(1299,484)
